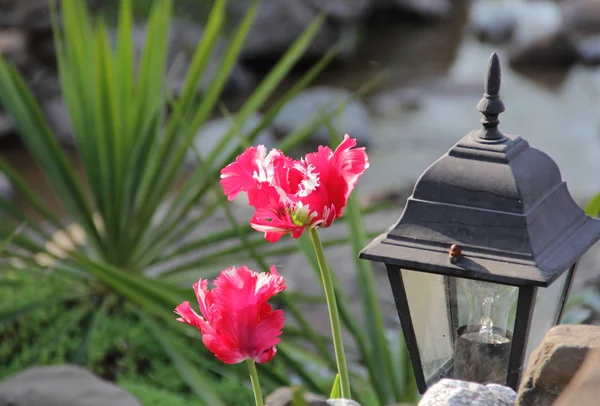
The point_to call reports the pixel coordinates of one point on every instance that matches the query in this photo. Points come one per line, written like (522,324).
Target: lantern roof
(501,201)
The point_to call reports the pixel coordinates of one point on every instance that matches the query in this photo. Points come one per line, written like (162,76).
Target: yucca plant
(126,243)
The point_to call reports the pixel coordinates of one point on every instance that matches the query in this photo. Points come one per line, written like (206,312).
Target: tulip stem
(334,316)
(258,398)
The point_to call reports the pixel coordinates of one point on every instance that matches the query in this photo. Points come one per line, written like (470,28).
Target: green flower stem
(258,398)
(334,316)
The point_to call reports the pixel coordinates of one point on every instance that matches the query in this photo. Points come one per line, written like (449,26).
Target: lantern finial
(490,106)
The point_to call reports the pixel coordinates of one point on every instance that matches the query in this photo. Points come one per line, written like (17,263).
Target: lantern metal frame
(505,204)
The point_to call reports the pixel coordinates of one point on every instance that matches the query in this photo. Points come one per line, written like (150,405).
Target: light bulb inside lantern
(483,345)
(489,309)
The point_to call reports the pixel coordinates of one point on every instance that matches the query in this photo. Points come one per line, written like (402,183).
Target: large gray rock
(584,388)
(575,39)
(213,131)
(61,386)
(554,363)
(317,101)
(450,392)
(279,23)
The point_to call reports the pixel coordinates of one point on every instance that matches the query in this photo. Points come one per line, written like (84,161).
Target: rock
(314,102)
(582,21)
(63,385)
(584,388)
(554,363)
(581,16)
(556,49)
(283,397)
(184,37)
(13,45)
(7,124)
(426,9)
(450,392)
(6,189)
(213,131)
(342,402)
(279,23)
(59,121)
(577,38)
(32,15)
(342,10)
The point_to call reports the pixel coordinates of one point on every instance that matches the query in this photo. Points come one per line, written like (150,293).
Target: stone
(7,124)
(278,23)
(582,21)
(426,9)
(575,39)
(584,388)
(213,131)
(59,121)
(451,392)
(13,45)
(342,10)
(554,363)
(342,402)
(555,49)
(283,397)
(313,103)
(63,385)
(6,189)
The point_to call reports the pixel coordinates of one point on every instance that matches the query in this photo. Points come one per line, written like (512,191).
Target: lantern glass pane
(547,305)
(426,296)
(483,339)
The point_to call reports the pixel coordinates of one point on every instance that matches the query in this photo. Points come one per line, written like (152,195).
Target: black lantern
(482,259)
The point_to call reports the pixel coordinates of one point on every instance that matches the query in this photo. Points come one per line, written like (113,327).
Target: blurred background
(417,68)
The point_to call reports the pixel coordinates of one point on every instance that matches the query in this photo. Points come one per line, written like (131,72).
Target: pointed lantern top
(490,106)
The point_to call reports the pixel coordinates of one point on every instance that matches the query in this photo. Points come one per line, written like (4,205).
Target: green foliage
(335,389)
(131,139)
(95,301)
(593,206)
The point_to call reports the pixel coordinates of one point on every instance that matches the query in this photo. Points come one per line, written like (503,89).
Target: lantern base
(481,362)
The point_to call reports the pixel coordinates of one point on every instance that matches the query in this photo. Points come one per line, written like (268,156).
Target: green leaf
(197,381)
(93,319)
(593,206)
(8,240)
(335,389)
(298,396)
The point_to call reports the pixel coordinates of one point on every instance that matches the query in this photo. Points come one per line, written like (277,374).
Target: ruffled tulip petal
(350,162)
(266,356)
(238,322)
(242,175)
(188,315)
(225,353)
